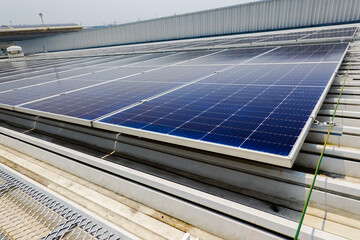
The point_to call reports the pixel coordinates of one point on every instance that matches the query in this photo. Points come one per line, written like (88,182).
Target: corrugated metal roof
(244,18)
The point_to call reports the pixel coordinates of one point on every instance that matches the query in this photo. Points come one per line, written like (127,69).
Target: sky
(100,12)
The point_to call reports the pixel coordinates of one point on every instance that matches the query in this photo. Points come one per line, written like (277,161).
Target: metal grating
(28,213)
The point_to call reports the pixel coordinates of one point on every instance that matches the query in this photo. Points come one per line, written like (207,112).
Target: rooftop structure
(209,138)
(12,33)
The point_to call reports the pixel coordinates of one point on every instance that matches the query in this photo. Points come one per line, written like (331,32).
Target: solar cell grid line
(272,110)
(48,80)
(256,136)
(254,74)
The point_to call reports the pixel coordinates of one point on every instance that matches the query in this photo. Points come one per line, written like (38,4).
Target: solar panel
(262,119)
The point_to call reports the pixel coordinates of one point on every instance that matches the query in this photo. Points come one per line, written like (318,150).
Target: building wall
(252,17)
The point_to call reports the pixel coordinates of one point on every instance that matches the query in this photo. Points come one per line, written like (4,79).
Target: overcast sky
(100,12)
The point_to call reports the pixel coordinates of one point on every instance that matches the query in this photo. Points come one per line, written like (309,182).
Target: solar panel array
(341,33)
(248,102)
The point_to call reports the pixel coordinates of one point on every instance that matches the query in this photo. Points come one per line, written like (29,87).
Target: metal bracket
(323,127)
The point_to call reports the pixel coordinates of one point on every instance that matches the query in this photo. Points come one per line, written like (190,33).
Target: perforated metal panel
(29,213)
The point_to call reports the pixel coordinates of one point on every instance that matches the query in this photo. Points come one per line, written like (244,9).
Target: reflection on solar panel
(47,89)
(253,102)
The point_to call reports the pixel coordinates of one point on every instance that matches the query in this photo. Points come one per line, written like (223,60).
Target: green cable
(321,157)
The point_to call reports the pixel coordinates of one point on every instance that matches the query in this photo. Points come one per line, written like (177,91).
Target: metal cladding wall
(251,17)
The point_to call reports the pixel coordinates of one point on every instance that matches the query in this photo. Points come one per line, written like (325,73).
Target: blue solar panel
(258,107)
